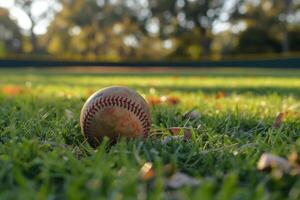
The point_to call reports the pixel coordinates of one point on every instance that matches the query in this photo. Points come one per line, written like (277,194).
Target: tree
(272,16)
(103,30)
(27,7)
(190,22)
(10,36)
(257,40)
(294,38)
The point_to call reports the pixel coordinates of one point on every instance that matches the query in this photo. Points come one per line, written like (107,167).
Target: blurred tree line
(117,30)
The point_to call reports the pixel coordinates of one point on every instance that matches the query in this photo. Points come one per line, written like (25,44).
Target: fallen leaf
(172,100)
(220,95)
(147,172)
(187,135)
(175,130)
(152,100)
(269,161)
(279,119)
(192,114)
(187,132)
(12,90)
(179,180)
(279,165)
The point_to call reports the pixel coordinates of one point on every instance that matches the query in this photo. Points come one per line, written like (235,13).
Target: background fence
(280,62)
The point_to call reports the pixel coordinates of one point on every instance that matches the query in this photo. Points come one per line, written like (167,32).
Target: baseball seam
(117,101)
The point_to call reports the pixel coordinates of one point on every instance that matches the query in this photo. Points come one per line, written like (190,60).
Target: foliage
(27,7)
(295,40)
(274,19)
(257,40)
(133,30)
(10,35)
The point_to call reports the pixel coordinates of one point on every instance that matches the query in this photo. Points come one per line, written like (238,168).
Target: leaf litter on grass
(228,138)
(12,90)
(173,179)
(279,165)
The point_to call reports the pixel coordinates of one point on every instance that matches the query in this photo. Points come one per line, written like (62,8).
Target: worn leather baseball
(114,112)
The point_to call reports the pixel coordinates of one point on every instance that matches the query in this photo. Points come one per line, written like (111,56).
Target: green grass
(43,154)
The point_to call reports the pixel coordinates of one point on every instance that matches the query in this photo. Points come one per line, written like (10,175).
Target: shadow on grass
(162,72)
(255,91)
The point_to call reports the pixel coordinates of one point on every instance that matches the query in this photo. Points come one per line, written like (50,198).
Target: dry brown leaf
(220,95)
(175,130)
(187,132)
(172,100)
(192,115)
(269,161)
(11,90)
(147,172)
(179,180)
(279,165)
(152,100)
(279,119)
(187,135)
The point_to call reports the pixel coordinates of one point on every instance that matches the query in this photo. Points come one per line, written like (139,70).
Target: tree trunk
(285,41)
(33,37)
(285,35)
(33,40)
(205,43)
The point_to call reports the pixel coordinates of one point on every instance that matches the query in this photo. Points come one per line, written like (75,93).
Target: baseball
(114,112)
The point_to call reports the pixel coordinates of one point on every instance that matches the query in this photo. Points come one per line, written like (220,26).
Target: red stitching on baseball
(122,102)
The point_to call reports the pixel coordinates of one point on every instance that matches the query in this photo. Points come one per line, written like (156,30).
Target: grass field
(43,154)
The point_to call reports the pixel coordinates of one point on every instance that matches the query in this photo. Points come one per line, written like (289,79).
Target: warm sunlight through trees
(118,30)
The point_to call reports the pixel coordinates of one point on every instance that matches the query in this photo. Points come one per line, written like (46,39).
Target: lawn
(43,154)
